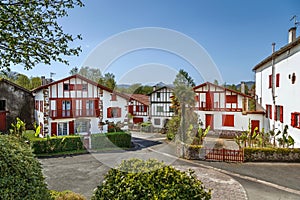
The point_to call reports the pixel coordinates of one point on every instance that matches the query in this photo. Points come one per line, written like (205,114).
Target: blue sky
(236,34)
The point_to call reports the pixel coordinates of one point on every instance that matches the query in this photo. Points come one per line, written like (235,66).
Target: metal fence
(225,155)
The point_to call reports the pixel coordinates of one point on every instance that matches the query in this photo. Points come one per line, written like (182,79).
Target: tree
(30,33)
(108,80)
(23,81)
(184,93)
(74,71)
(93,74)
(35,82)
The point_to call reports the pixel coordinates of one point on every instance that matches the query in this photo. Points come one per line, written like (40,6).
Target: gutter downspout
(273,83)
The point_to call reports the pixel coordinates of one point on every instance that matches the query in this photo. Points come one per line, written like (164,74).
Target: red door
(209,100)
(254,124)
(209,121)
(2,121)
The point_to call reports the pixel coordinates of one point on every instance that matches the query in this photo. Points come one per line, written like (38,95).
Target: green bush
(21,174)
(137,179)
(54,144)
(66,195)
(111,140)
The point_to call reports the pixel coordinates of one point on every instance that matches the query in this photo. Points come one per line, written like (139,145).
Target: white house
(139,107)
(161,106)
(277,87)
(225,110)
(77,105)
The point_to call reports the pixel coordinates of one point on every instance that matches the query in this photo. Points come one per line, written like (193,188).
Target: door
(209,100)
(2,121)
(2,115)
(209,121)
(254,124)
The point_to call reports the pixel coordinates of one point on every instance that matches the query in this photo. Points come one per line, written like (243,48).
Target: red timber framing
(211,97)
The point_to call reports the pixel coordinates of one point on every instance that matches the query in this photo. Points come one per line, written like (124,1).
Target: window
(228,120)
(66,86)
(269,111)
(66,108)
(36,105)
(157,121)
(42,106)
(62,129)
(114,112)
(158,95)
(278,113)
(140,108)
(2,105)
(295,119)
(231,98)
(113,97)
(84,87)
(160,109)
(270,81)
(81,126)
(89,107)
(277,80)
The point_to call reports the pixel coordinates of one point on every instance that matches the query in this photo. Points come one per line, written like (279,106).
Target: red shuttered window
(270,81)
(269,111)
(277,80)
(228,120)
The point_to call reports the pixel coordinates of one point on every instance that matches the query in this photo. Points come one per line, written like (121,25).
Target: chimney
(43,80)
(243,87)
(154,87)
(292,34)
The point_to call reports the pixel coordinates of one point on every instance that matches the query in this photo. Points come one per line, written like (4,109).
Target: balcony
(60,114)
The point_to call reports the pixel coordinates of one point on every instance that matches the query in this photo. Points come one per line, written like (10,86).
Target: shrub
(21,174)
(66,195)
(54,144)
(137,179)
(111,140)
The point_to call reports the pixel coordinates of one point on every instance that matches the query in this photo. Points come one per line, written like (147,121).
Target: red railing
(225,155)
(74,113)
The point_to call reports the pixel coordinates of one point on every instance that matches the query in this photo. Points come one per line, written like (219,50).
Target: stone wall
(272,155)
(19,103)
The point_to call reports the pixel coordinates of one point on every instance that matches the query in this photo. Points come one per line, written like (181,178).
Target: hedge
(111,140)
(20,172)
(142,180)
(56,144)
(272,154)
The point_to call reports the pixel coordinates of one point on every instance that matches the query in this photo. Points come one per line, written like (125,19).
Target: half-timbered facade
(139,108)
(77,105)
(277,87)
(224,109)
(160,106)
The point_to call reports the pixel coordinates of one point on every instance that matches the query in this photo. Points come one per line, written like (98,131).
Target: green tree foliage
(138,179)
(108,80)
(21,174)
(30,33)
(35,82)
(93,74)
(23,81)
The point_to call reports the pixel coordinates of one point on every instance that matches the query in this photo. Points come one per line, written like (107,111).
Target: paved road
(83,173)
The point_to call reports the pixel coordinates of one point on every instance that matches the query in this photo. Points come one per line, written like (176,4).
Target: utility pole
(273,83)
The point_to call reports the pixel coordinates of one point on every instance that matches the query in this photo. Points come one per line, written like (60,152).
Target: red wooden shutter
(71,128)
(130,109)
(53,129)
(277,80)
(270,81)
(137,108)
(196,98)
(108,112)
(145,108)
(59,108)
(97,110)
(275,117)
(271,112)
(293,119)
(41,106)
(281,114)
(119,112)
